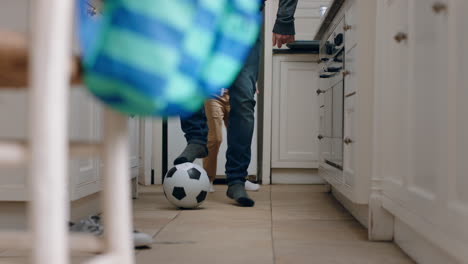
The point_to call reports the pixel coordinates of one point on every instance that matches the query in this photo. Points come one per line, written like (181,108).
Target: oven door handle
(324,75)
(333,69)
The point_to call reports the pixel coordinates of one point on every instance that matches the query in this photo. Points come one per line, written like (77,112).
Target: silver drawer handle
(400,37)
(439,7)
(347,141)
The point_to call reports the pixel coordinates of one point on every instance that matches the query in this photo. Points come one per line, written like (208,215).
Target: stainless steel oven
(331,90)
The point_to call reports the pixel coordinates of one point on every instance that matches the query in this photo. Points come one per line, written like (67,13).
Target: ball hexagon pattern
(186,185)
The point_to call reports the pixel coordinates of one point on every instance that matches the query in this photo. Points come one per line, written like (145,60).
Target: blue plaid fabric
(165,57)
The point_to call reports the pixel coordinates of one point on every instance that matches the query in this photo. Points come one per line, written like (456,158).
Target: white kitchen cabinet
(295,112)
(421,124)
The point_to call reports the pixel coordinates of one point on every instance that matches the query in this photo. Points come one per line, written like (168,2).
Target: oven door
(335,158)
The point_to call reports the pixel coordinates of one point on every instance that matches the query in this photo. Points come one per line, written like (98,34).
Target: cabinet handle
(347,141)
(350,94)
(400,37)
(439,7)
(345,73)
(319,91)
(347,27)
(320,137)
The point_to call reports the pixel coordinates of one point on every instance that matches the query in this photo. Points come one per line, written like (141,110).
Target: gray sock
(191,152)
(237,192)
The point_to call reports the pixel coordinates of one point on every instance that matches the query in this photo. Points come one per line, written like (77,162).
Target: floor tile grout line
(162,228)
(271,227)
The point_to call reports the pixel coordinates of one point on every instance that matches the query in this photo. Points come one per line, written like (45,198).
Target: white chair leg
(116,188)
(48,109)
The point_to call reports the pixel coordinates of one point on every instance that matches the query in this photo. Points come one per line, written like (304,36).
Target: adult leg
(241,126)
(249,186)
(214,115)
(196,132)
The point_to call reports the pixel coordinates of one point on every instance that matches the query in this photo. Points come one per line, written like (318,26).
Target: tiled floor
(289,224)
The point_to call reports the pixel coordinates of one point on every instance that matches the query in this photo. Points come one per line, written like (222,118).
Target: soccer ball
(186,185)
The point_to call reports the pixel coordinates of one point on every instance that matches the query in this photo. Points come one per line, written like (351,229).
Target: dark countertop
(328,18)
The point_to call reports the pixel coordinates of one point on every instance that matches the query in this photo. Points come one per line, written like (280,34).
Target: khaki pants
(217,113)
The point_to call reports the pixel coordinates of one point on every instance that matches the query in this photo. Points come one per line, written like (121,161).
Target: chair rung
(85,243)
(82,243)
(104,259)
(15,152)
(14,60)
(12,153)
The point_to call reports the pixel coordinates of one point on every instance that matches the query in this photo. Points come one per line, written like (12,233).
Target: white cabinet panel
(350,66)
(351,26)
(349,153)
(85,125)
(459,71)
(396,77)
(295,115)
(423,126)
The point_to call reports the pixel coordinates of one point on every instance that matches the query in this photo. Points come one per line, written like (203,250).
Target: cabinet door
(455,197)
(423,123)
(295,114)
(422,138)
(85,126)
(351,26)
(393,96)
(349,135)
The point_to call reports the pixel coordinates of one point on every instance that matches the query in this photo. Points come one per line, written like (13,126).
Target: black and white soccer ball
(186,185)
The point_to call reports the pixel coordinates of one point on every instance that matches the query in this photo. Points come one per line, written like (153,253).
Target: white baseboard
(359,211)
(418,247)
(296,176)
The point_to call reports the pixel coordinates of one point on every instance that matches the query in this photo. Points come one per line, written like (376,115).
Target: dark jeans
(241,120)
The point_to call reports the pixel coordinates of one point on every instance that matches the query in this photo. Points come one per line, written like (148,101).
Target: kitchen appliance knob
(400,37)
(347,141)
(338,39)
(439,7)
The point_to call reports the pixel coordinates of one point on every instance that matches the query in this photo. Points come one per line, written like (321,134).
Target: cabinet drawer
(351,26)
